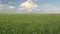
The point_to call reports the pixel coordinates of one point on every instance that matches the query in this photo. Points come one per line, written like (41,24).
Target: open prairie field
(30,24)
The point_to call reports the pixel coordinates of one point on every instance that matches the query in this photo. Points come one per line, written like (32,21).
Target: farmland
(29,24)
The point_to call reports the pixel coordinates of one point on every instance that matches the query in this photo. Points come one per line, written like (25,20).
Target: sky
(29,6)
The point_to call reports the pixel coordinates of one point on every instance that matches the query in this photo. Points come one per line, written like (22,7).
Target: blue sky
(40,2)
(41,6)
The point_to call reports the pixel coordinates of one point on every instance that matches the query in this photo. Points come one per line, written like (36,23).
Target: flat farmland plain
(30,24)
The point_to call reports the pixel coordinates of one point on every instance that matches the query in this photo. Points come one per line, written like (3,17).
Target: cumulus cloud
(28,6)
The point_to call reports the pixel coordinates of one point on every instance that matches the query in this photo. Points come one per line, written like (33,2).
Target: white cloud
(11,7)
(2,6)
(7,9)
(50,8)
(28,6)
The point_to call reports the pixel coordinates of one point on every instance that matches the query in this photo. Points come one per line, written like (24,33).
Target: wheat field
(30,24)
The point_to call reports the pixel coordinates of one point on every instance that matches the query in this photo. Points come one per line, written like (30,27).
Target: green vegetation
(30,24)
